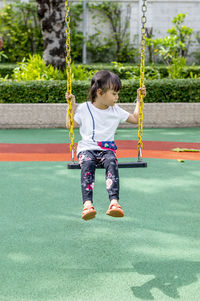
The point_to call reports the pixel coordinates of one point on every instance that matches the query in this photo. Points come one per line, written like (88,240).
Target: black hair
(104,80)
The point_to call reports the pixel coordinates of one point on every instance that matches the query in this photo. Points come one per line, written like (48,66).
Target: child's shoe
(88,213)
(115,210)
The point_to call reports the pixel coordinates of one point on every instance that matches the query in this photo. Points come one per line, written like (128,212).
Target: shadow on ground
(169,277)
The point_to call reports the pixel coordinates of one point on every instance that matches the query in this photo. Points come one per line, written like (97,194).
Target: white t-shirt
(97,125)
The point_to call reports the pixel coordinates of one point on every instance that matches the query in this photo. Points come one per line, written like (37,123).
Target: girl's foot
(115,210)
(88,211)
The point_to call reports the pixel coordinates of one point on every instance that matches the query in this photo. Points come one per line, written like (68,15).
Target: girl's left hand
(142,90)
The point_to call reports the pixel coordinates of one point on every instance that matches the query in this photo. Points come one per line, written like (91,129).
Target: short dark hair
(104,80)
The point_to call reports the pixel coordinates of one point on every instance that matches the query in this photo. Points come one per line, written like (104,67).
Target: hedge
(162,70)
(150,70)
(181,90)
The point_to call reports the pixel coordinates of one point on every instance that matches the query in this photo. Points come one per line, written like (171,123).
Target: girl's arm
(73,110)
(133,118)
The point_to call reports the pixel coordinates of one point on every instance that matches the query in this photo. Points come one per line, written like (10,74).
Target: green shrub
(20,30)
(180,90)
(34,68)
(151,71)
(176,68)
(2,56)
(124,72)
(6,70)
(174,45)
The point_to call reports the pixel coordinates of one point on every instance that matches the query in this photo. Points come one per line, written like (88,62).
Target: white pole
(84,31)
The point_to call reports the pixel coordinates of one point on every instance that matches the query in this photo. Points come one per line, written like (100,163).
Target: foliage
(76,36)
(20,30)
(6,69)
(124,71)
(2,55)
(129,72)
(34,68)
(197,53)
(176,43)
(116,45)
(170,90)
(176,68)
(99,51)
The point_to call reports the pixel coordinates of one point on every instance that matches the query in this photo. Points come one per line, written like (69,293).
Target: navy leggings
(88,161)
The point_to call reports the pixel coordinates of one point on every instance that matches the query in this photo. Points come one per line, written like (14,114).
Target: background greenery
(37,68)
(168,90)
(20,30)
(26,78)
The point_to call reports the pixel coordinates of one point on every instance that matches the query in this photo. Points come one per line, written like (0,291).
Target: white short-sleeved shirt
(97,125)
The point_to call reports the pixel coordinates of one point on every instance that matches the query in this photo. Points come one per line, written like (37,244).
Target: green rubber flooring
(47,253)
(62,136)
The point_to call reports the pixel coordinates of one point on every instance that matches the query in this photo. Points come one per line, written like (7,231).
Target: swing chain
(142,71)
(69,81)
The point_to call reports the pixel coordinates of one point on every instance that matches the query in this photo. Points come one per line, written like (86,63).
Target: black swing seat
(137,164)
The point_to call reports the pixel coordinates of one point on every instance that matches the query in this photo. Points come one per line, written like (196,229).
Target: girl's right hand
(68,96)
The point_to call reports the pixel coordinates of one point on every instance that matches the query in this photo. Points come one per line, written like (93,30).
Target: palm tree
(52,20)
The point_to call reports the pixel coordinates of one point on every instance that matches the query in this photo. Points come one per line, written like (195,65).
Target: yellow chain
(142,71)
(69,81)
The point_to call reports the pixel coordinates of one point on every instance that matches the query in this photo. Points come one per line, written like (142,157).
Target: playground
(49,253)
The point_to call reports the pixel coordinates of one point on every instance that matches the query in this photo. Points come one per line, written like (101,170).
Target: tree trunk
(52,19)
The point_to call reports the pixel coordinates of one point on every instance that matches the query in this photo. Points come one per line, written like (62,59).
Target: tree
(119,37)
(52,20)
(20,30)
(176,44)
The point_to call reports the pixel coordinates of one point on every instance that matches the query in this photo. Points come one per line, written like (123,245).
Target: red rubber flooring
(126,149)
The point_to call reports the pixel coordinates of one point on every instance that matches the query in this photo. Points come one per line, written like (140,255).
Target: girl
(98,120)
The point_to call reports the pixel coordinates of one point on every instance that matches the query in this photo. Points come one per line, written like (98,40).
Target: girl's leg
(87,161)
(110,164)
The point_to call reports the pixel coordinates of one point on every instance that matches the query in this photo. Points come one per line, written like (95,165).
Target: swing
(139,162)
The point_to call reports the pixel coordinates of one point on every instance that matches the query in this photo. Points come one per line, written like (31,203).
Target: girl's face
(107,99)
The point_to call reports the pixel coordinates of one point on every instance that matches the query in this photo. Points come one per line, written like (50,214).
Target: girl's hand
(143,92)
(68,96)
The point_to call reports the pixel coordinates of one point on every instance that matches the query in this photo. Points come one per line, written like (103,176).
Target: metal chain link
(69,81)
(142,71)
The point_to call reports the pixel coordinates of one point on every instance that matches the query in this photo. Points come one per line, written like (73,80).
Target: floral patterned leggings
(88,161)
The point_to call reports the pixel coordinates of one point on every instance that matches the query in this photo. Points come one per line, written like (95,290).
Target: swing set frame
(139,163)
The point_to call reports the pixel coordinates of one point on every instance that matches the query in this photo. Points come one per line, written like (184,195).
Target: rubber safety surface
(48,253)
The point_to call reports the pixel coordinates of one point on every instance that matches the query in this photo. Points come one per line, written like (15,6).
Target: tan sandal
(88,213)
(115,210)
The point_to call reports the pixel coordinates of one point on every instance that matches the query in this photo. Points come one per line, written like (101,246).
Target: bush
(184,90)
(34,68)
(20,29)
(124,72)
(166,90)
(6,70)
(174,45)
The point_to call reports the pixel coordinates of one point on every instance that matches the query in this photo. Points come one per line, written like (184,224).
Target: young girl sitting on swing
(98,120)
